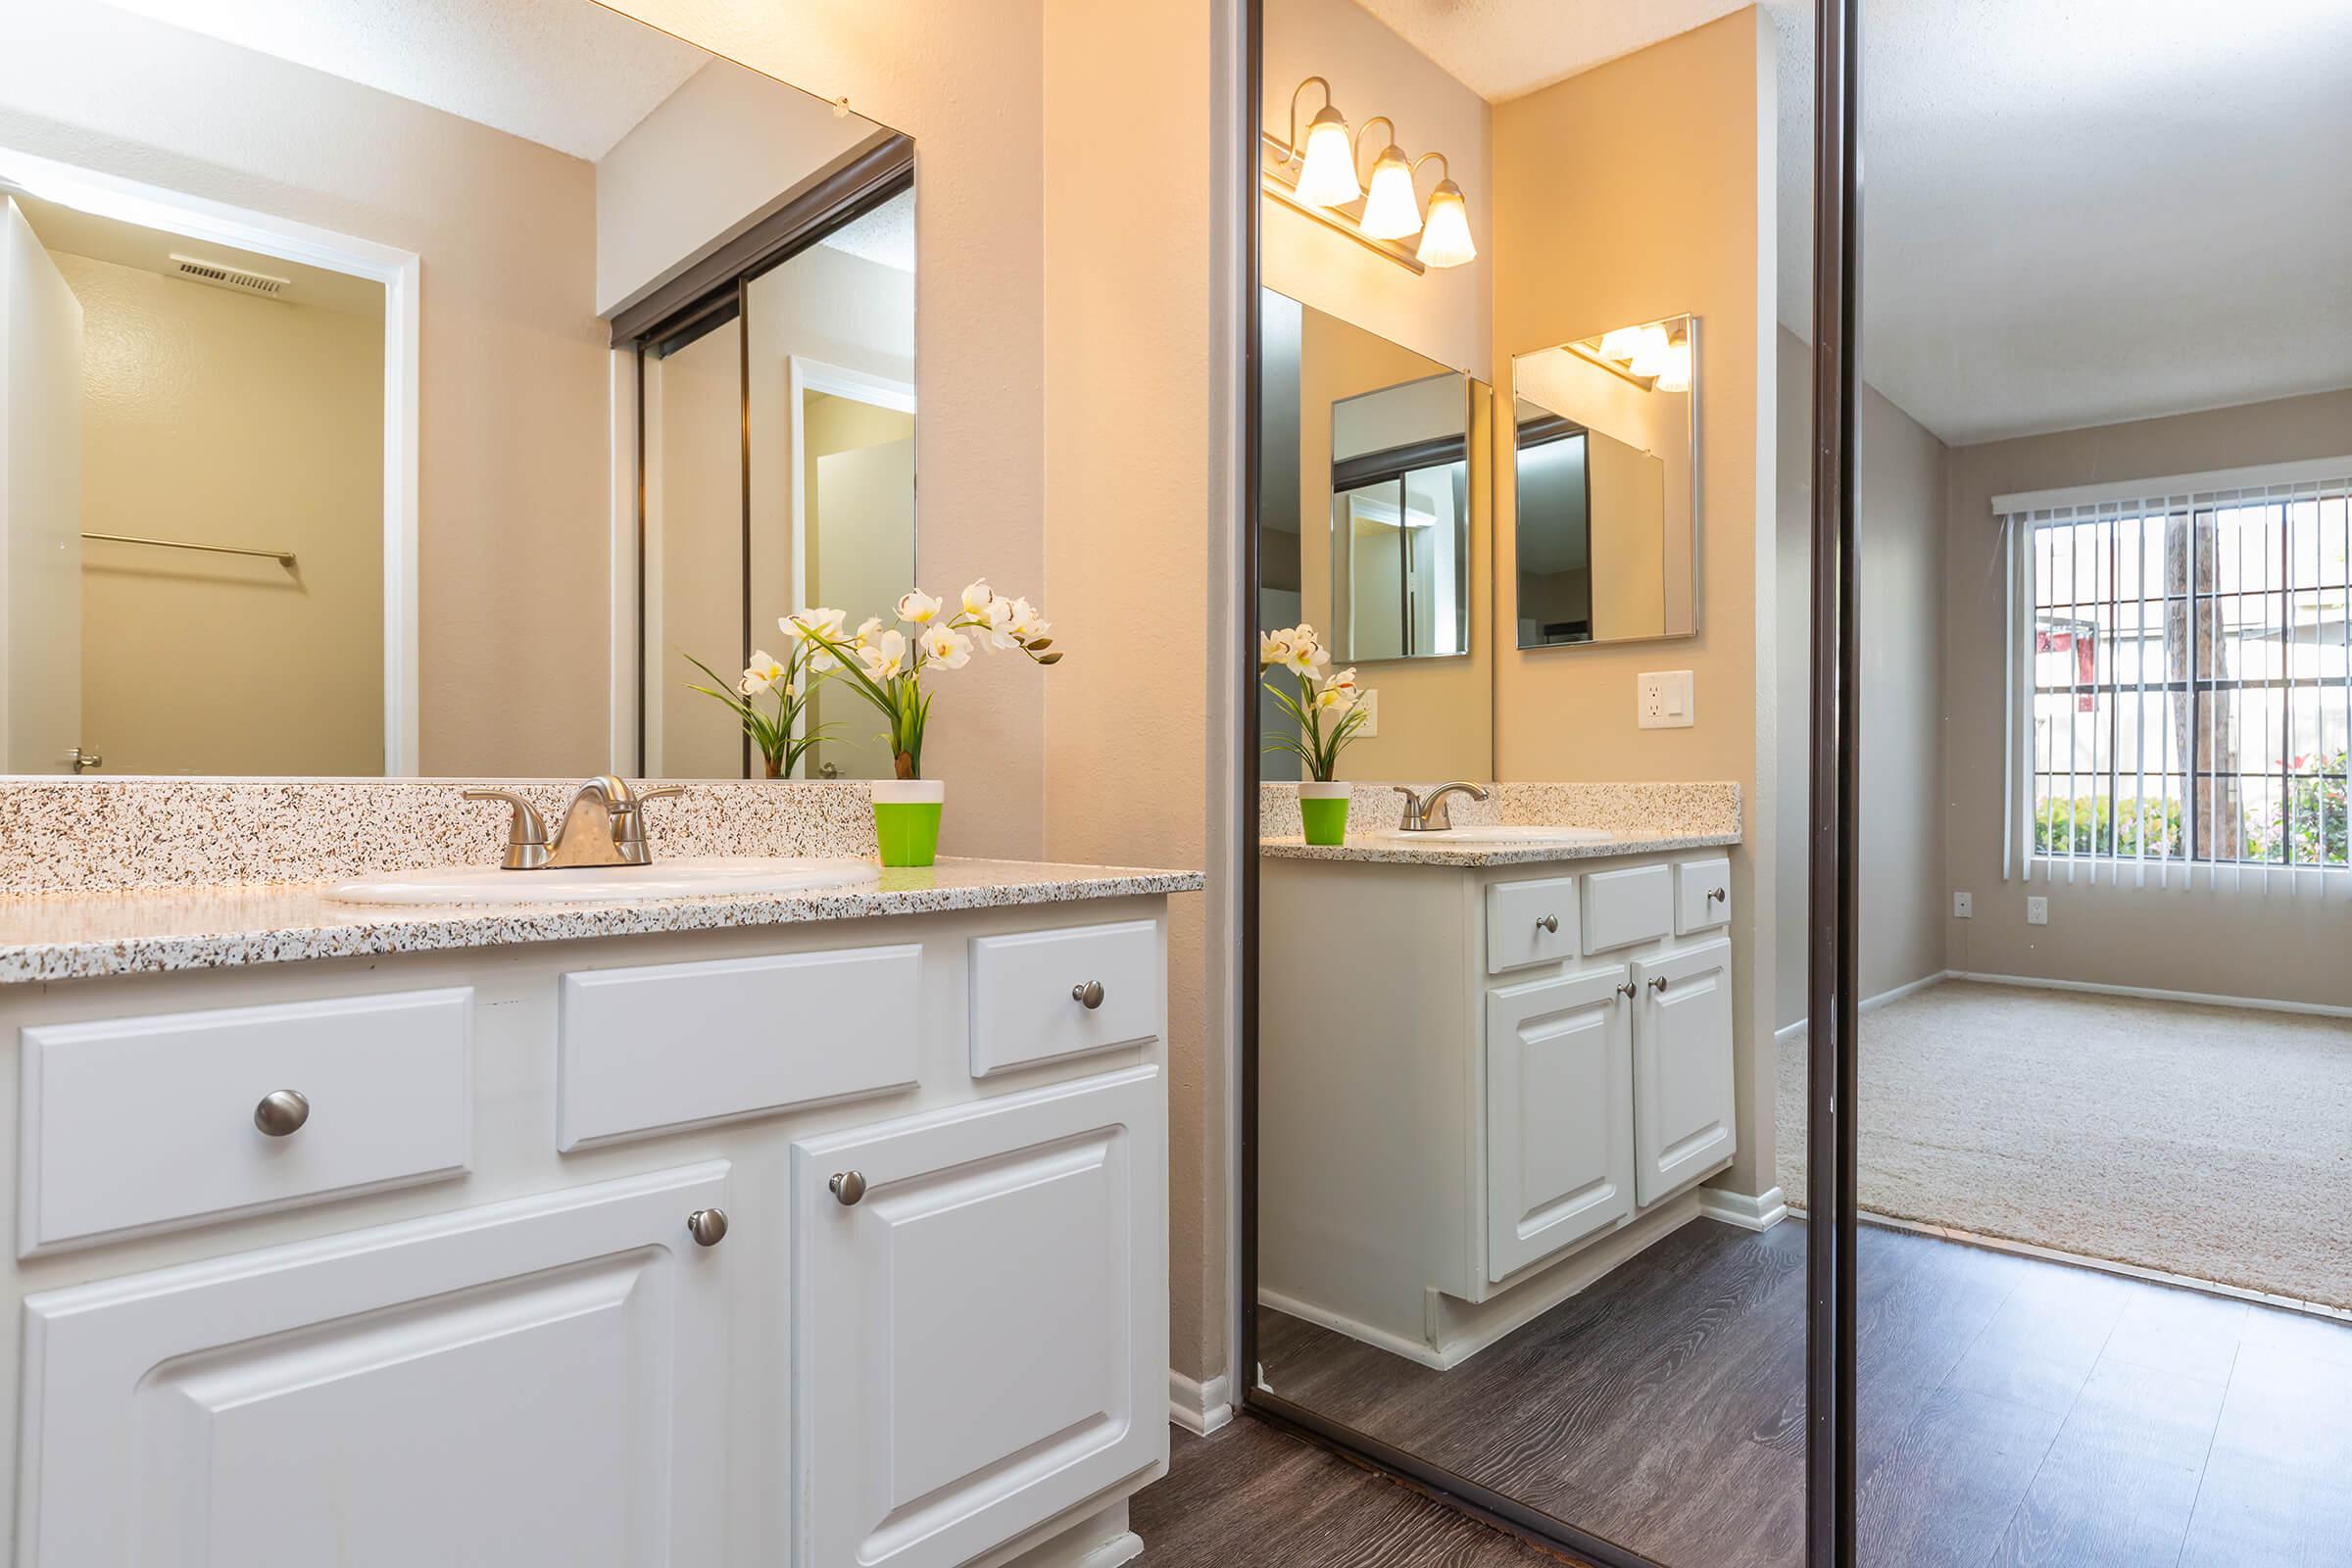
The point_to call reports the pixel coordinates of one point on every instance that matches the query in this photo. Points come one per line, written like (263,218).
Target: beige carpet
(2209,1142)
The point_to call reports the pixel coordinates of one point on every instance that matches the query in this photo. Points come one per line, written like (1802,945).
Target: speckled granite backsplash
(115,835)
(1695,809)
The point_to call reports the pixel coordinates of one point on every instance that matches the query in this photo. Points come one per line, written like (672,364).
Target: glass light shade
(1650,360)
(1327,177)
(1675,377)
(1390,212)
(1446,237)
(1622,344)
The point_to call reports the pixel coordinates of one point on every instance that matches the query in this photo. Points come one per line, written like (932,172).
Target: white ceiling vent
(220,274)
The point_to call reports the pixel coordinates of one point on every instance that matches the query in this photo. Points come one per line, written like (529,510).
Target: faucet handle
(527,830)
(1409,822)
(628,821)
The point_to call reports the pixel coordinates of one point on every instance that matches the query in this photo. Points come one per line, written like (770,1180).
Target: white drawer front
(1530,923)
(661,1046)
(1622,907)
(136,1124)
(1702,895)
(1028,992)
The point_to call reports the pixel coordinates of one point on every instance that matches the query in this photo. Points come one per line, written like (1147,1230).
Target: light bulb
(1675,377)
(1622,344)
(1650,360)
(1445,238)
(1327,177)
(1390,211)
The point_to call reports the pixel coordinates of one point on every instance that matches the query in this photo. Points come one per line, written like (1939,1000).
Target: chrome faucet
(1427,813)
(603,825)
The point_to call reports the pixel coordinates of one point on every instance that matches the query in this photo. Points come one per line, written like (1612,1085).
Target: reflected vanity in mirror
(343,419)
(1604,546)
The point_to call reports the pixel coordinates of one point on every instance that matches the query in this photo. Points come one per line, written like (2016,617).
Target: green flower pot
(907,819)
(1323,813)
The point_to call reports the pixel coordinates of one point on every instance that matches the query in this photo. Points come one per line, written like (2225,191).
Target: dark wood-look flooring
(2014,1412)
(1254,1498)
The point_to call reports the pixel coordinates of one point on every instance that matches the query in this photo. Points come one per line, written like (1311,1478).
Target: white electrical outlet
(1962,908)
(1663,699)
(1369,703)
(2038,911)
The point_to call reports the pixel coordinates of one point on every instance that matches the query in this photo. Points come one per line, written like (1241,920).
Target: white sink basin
(1498,836)
(682,877)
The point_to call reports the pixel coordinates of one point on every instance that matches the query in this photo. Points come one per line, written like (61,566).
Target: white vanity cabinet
(554,1270)
(1533,1067)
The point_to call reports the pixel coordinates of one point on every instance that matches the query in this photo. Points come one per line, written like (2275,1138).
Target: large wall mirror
(350,350)
(1604,454)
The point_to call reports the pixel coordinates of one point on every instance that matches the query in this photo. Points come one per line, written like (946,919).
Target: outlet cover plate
(2038,911)
(1963,908)
(1663,699)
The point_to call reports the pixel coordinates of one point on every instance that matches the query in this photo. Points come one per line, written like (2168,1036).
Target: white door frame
(802,376)
(197,218)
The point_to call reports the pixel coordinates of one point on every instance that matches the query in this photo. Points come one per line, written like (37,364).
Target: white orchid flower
(916,607)
(1027,624)
(977,598)
(999,633)
(761,674)
(945,646)
(885,655)
(808,626)
(1274,648)
(1345,681)
(1303,656)
(1335,700)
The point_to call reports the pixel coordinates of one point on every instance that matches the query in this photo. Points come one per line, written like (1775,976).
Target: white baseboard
(1362,1332)
(1200,1407)
(1114,1551)
(1872,1003)
(1759,1211)
(2202,998)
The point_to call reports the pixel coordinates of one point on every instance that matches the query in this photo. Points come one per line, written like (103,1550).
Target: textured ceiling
(2073,215)
(885,236)
(565,74)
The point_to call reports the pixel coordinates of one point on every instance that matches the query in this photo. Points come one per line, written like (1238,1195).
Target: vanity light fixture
(1325,183)
(1675,375)
(1390,209)
(1648,356)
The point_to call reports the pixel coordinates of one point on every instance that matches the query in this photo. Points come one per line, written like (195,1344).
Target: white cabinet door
(1559,1106)
(533,1381)
(980,1339)
(1683,1114)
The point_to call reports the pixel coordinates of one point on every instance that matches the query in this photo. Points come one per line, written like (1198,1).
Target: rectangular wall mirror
(1603,458)
(1376,529)
(327,455)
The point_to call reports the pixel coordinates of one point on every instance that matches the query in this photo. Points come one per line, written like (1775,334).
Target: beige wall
(860,553)
(1447,314)
(1607,213)
(1436,715)
(694,554)
(2216,941)
(512,524)
(710,162)
(1128,457)
(965,79)
(1900,516)
(227,420)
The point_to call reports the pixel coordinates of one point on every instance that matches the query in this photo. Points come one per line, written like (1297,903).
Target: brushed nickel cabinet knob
(1629,990)
(847,1187)
(1657,983)
(1089,994)
(1718,894)
(1549,925)
(281,1113)
(708,1226)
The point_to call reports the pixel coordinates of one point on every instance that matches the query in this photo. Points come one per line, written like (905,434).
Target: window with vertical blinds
(2180,669)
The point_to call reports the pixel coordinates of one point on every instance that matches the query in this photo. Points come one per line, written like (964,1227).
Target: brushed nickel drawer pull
(708,1226)
(281,1113)
(1549,925)
(1657,983)
(1088,996)
(846,1188)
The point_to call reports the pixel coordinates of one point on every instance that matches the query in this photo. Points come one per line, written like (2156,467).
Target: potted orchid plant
(1328,710)
(886,665)
(775,729)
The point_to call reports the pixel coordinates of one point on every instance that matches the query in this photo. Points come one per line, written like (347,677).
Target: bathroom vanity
(1529,1095)
(821,1227)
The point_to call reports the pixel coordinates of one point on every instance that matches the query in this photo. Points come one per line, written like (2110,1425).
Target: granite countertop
(1395,852)
(74,936)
